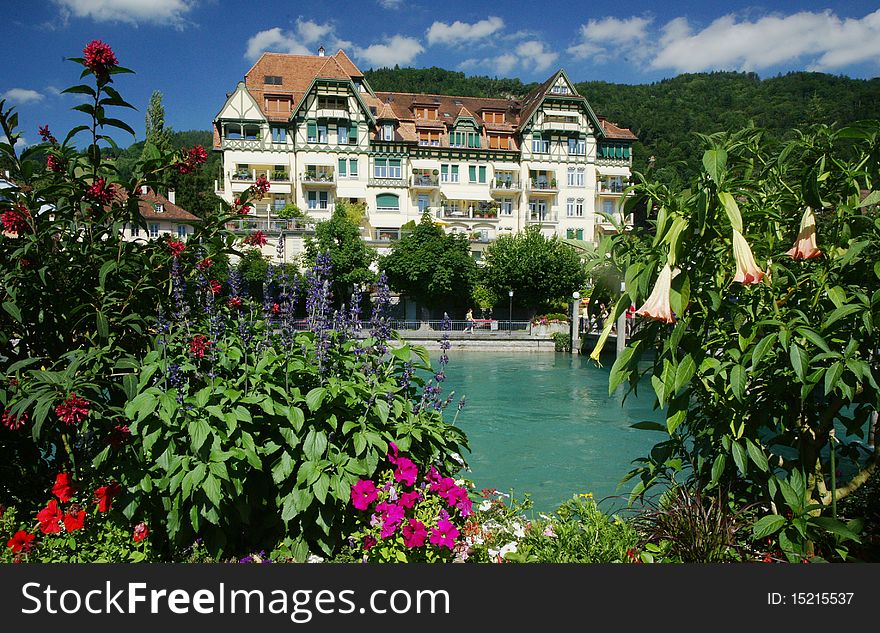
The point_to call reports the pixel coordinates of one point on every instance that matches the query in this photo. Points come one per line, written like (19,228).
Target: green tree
(538,269)
(432,267)
(350,256)
(155,131)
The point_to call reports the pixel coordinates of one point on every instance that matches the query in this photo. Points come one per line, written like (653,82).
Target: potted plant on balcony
(553,183)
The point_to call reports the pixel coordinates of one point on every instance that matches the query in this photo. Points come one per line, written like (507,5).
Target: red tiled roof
(614,132)
(171,212)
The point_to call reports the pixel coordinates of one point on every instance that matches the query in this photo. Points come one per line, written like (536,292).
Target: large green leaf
(715,162)
(731,208)
(738,381)
(765,526)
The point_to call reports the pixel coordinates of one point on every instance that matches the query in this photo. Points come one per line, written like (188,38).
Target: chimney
(171,196)
(321,52)
(145,189)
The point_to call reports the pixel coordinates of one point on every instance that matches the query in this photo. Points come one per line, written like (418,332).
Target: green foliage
(561,341)
(538,269)
(432,267)
(484,298)
(349,255)
(262,437)
(253,266)
(756,378)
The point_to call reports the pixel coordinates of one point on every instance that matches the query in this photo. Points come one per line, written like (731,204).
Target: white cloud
(304,39)
(21,143)
(504,64)
(534,54)
(22,96)
(462,32)
(823,40)
(609,37)
(390,4)
(397,49)
(170,12)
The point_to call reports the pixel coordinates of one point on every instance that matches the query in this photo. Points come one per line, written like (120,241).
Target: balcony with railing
(468,210)
(502,185)
(318,177)
(542,216)
(542,185)
(424,181)
(611,187)
(279,180)
(561,122)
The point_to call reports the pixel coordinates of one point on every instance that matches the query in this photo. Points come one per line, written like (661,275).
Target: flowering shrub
(76,526)
(408,517)
(546,319)
(757,286)
(249,432)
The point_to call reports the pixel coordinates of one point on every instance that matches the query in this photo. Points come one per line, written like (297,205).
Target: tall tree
(432,267)
(538,269)
(155,130)
(349,254)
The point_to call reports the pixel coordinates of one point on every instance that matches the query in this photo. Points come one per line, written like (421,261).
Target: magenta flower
(414,533)
(408,499)
(406,471)
(392,517)
(363,493)
(444,534)
(369,541)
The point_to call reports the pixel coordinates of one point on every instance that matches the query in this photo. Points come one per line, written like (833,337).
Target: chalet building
(315,128)
(163,217)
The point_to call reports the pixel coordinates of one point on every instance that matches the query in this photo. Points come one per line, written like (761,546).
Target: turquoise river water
(543,423)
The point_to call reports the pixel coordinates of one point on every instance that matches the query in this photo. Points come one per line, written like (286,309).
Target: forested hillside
(665,114)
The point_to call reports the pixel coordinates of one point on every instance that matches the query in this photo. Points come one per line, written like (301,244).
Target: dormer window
(272,80)
(560,89)
(158,207)
(387,132)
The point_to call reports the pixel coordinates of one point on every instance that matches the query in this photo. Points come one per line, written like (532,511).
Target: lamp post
(510,314)
(575,330)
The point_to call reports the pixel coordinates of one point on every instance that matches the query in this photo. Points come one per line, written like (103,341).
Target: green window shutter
(342,165)
(388,201)
(569,234)
(444,169)
(472,173)
(312,129)
(619,152)
(455,170)
(394,162)
(482,174)
(580,234)
(536,136)
(381,162)
(353,166)
(626,151)
(353,134)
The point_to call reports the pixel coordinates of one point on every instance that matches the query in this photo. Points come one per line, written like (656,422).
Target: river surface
(543,423)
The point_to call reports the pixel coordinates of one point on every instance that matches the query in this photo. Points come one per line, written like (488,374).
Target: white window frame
(388,132)
(506,206)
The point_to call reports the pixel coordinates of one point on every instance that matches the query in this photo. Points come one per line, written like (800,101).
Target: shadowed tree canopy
(432,267)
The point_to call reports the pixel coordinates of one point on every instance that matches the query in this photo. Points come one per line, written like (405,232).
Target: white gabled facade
(319,133)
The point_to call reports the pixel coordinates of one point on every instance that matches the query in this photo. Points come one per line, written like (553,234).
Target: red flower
(104,496)
(100,192)
(24,262)
(369,541)
(63,488)
(14,423)
(20,541)
(119,435)
(141,531)
(99,58)
(257,238)
(198,345)
(53,163)
(15,220)
(243,209)
(176,247)
(276,308)
(262,185)
(194,157)
(73,410)
(74,520)
(235,302)
(205,264)
(215,287)
(46,135)
(50,518)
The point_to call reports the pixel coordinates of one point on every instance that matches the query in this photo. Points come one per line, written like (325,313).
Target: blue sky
(194,51)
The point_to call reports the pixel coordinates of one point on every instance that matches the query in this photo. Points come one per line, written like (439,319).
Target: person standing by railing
(469,317)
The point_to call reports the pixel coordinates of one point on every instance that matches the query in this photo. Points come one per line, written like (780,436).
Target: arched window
(387,202)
